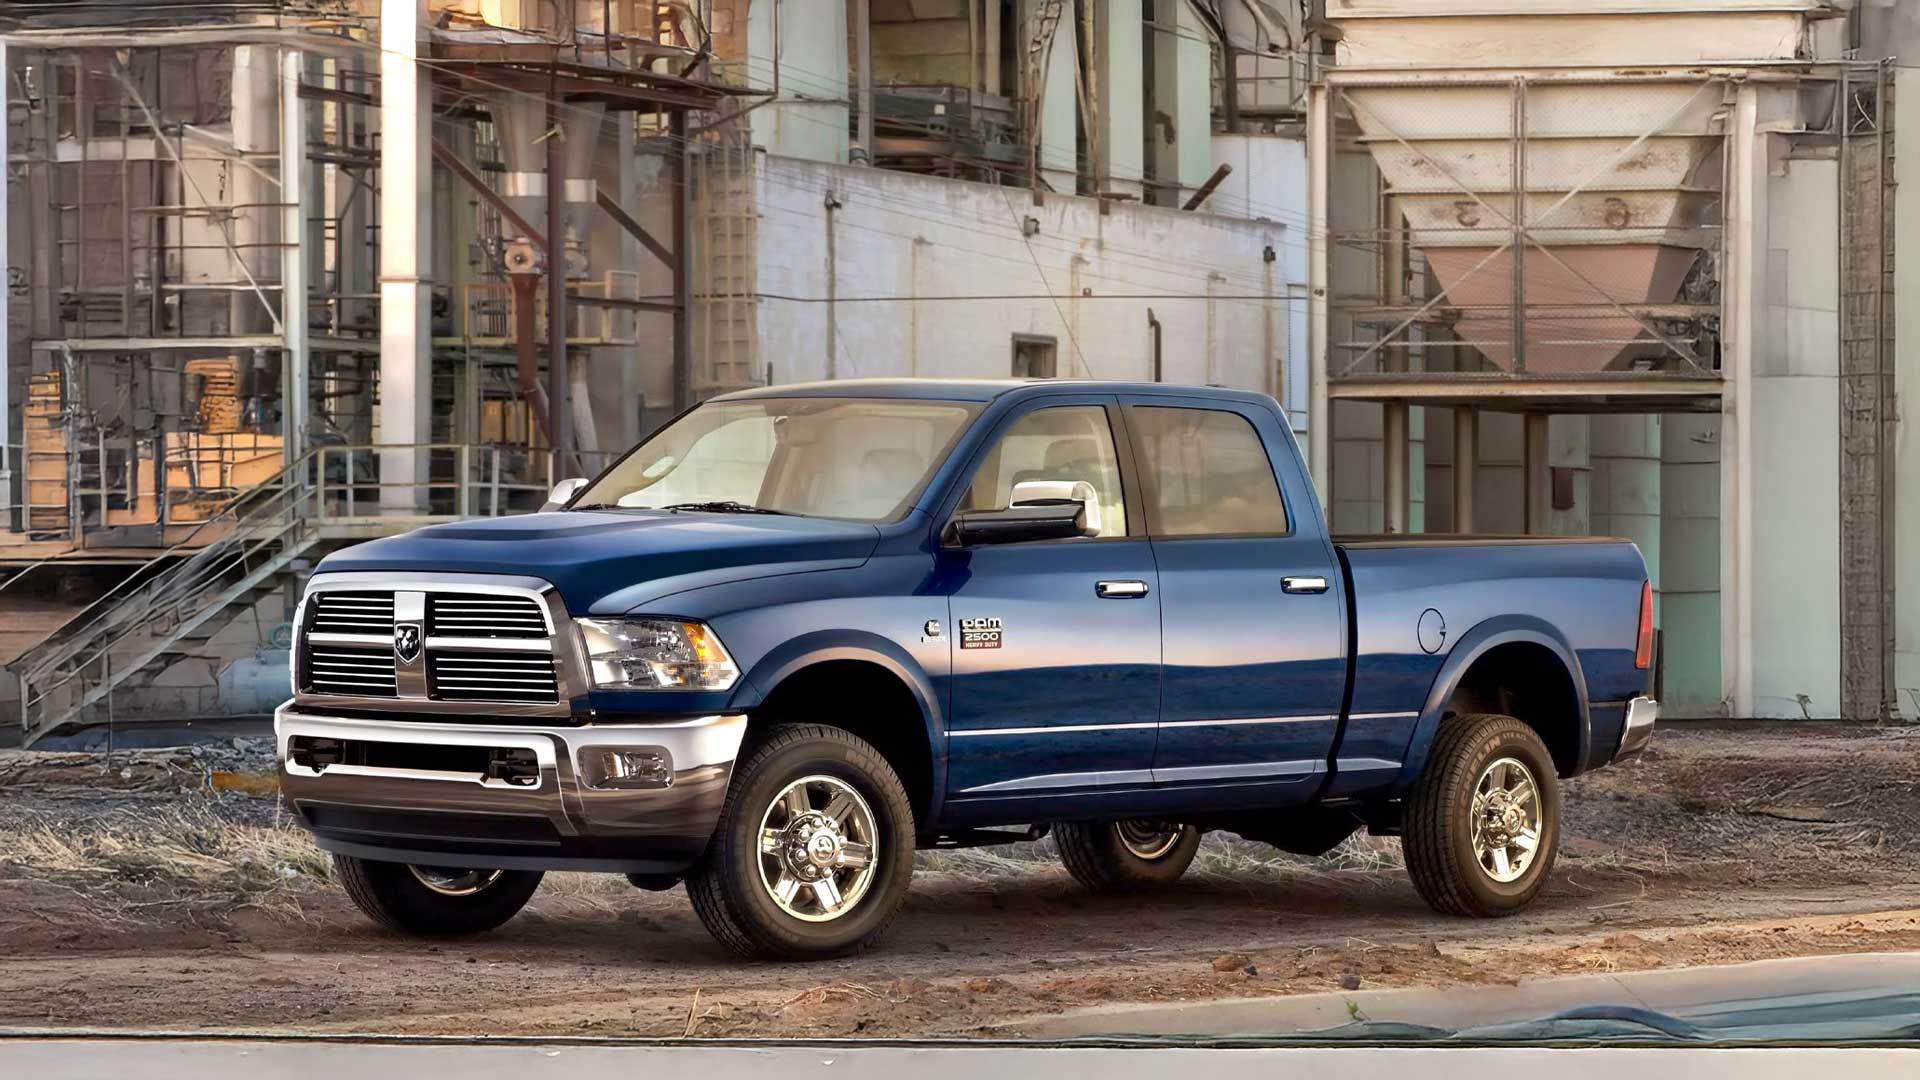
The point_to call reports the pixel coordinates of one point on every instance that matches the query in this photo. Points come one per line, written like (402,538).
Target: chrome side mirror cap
(563,493)
(1043,492)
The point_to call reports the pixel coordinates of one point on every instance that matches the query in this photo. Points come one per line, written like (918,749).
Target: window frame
(1130,494)
(1149,485)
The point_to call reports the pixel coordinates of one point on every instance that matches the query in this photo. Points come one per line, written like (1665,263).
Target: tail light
(1643,648)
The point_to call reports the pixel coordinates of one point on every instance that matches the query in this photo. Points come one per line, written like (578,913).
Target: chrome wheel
(454,881)
(817,848)
(1506,820)
(1147,839)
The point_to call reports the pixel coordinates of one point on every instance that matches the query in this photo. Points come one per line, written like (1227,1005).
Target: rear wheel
(1126,856)
(434,901)
(814,849)
(1483,821)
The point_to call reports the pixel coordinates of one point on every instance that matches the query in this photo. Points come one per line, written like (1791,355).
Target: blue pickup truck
(802,631)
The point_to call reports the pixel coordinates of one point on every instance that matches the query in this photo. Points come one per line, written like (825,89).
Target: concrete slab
(242,1059)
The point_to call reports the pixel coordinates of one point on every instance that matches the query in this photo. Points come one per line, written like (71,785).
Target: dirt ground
(159,906)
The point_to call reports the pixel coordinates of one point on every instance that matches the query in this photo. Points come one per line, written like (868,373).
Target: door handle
(1311,584)
(1120,590)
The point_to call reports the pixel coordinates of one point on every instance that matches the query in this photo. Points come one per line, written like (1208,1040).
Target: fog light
(629,767)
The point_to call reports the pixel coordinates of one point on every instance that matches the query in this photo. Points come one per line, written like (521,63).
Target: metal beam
(1394,422)
(626,221)
(451,160)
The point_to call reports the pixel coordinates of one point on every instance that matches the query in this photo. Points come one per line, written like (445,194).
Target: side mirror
(1040,510)
(563,492)
(1043,492)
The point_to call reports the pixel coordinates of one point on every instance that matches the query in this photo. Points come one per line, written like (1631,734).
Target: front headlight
(655,654)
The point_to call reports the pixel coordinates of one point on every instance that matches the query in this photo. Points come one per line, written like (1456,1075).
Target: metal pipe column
(1466,464)
(558,428)
(1394,432)
(1536,475)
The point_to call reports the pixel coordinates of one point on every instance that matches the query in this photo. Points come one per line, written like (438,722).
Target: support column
(863,47)
(296,201)
(682,258)
(6,324)
(1466,465)
(1536,475)
(1058,99)
(1120,36)
(406,256)
(1319,162)
(1394,436)
(1741,323)
(559,385)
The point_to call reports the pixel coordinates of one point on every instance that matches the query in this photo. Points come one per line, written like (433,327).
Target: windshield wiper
(721,506)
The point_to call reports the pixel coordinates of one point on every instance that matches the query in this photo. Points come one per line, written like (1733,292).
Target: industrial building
(283,276)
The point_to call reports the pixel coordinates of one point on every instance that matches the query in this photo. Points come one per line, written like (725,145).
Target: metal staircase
(133,633)
(111,654)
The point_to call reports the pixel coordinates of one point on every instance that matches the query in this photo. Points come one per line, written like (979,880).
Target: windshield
(859,459)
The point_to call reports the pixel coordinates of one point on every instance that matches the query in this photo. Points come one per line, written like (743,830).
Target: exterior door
(1056,644)
(1250,606)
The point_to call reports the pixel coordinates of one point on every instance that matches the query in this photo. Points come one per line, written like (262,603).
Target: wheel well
(866,699)
(1529,683)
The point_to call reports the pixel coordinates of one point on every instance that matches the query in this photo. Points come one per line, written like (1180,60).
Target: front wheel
(1126,856)
(434,901)
(814,849)
(1483,821)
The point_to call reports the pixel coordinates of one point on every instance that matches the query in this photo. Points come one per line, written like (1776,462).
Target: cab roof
(979,390)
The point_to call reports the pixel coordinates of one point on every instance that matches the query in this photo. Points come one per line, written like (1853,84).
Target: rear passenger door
(1252,626)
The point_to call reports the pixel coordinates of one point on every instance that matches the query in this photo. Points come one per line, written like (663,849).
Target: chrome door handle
(1121,590)
(1313,584)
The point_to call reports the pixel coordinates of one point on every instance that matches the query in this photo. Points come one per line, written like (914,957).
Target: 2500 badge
(983,633)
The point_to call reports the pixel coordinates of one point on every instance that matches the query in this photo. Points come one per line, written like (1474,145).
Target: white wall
(933,277)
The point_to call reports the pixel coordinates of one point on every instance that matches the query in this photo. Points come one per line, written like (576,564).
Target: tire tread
(1432,860)
(707,884)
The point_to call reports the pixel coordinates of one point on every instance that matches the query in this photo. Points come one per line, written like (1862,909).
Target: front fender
(1475,643)
(821,646)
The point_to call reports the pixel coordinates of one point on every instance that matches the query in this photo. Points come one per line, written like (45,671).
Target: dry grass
(199,850)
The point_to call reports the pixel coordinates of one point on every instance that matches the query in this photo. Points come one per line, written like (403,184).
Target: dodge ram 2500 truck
(802,631)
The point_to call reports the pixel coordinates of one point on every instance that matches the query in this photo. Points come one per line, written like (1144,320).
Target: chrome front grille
(484,615)
(471,646)
(353,613)
(463,675)
(347,669)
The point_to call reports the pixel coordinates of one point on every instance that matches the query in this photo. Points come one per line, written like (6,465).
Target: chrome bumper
(1642,714)
(410,791)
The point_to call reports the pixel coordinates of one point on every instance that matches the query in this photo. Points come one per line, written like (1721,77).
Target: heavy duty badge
(983,633)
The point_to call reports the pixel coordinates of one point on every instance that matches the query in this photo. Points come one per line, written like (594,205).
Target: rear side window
(1207,474)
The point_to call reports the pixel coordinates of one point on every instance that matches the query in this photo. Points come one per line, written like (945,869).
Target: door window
(1067,442)
(1207,474)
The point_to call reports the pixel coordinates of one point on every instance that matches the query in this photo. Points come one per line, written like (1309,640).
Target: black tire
(727,888)
(1098,857)
(1438,834)
(392,895)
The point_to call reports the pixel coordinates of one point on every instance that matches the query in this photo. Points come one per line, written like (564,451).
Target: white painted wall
(933,277)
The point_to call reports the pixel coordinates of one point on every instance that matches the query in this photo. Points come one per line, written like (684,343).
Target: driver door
(1056,643)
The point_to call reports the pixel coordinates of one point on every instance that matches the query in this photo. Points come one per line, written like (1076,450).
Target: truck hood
(607,562)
